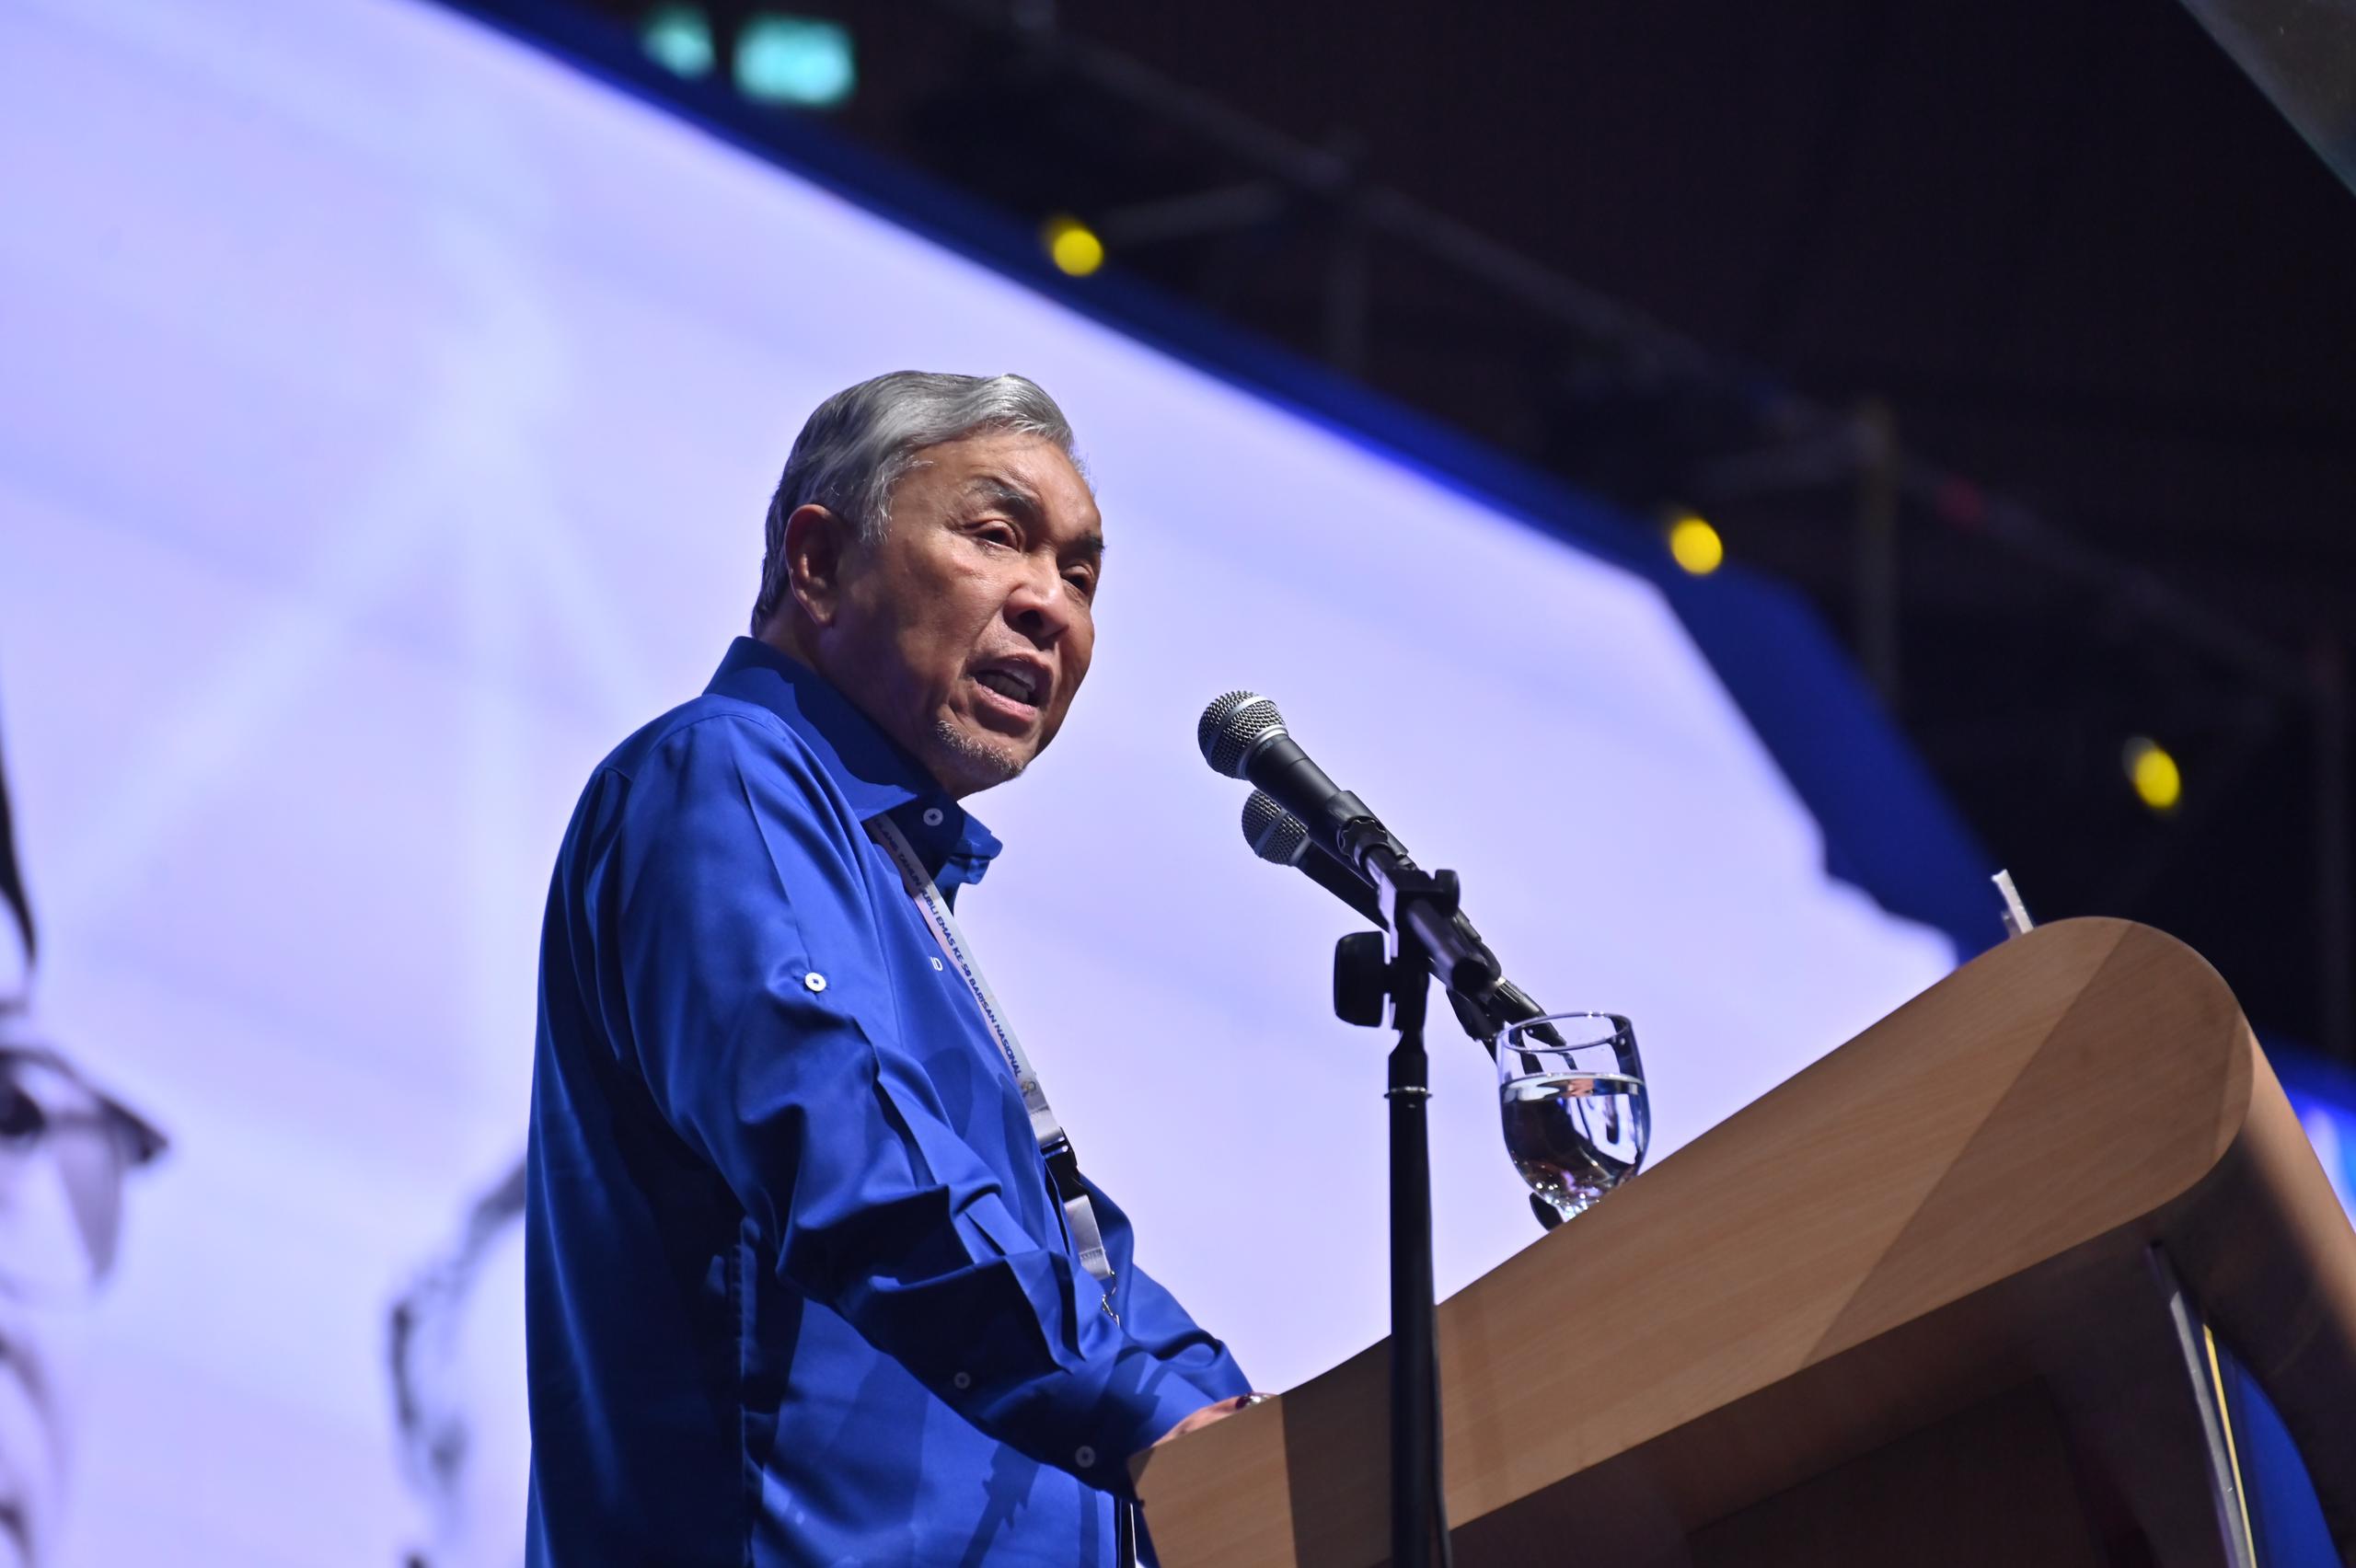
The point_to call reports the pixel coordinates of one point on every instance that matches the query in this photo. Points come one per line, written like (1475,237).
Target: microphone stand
(1368,969)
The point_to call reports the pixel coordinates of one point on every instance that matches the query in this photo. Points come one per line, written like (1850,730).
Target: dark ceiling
(2065,249)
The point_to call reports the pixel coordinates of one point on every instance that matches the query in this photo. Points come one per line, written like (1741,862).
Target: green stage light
(678,38)
(802,61)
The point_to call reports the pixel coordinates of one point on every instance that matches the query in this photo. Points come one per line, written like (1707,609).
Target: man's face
(966,630)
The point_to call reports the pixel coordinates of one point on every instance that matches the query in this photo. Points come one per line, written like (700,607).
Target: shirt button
(932,816)
(962,1380)
(1085,1456)
(815,980)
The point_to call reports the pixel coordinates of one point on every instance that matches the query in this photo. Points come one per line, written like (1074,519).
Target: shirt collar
(874,775)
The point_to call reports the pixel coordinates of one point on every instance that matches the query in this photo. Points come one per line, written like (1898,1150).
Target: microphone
(1243,736)
(1278,837)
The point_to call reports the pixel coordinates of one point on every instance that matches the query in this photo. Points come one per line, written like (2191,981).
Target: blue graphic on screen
(387,419)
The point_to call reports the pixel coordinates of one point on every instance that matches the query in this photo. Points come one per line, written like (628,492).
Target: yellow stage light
(2153,773)
(1695,545)
(1071,245)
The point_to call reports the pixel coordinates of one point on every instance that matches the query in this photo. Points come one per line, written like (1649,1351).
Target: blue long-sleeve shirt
(799,1289)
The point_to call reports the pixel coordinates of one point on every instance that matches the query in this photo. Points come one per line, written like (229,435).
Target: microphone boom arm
(1422,904)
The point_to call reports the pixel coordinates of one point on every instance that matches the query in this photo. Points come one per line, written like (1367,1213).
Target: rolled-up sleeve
(1156,1322)
(756,1004)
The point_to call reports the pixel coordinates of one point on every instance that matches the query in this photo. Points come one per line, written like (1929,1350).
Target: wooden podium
(1952,1295)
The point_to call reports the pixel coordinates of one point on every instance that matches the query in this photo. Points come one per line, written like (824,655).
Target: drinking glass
(1577,1119)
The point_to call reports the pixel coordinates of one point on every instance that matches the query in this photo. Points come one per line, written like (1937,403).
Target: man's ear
(818,544)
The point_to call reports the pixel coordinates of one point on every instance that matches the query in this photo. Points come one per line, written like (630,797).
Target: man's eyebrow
(1005,493)
(1014,498)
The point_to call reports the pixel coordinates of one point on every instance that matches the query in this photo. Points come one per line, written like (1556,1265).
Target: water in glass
(1576,1117)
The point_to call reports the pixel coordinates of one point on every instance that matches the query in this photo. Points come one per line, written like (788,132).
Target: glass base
(1573,1201)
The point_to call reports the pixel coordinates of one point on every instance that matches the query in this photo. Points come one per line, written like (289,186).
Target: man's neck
(793,636)
(783,634)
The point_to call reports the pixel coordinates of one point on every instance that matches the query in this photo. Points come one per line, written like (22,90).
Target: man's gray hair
(862,442)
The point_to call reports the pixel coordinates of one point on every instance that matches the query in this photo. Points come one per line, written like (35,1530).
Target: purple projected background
(335,552)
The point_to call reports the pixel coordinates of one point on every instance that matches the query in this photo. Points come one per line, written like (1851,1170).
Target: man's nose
(1041,605)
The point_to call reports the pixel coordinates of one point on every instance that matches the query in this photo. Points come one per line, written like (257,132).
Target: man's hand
(1204,1417)
(1194,1423)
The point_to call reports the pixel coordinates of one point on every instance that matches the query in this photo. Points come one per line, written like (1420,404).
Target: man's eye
(998,534)
(1083,584)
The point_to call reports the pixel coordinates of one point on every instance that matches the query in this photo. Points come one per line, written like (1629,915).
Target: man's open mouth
(1024,687)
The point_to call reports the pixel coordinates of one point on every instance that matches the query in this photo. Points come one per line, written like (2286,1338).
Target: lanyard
(1063,1165)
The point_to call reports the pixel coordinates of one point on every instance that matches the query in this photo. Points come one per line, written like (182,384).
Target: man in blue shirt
(802,1285)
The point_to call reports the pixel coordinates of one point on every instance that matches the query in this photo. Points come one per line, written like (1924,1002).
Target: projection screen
(386,416)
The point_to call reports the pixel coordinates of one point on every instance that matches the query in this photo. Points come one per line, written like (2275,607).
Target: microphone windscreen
(1274,833)
(1231,726)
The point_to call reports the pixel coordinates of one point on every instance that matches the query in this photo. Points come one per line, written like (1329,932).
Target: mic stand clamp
(1368,969)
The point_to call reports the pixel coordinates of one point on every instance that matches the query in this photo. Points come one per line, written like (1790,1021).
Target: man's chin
(967,762)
